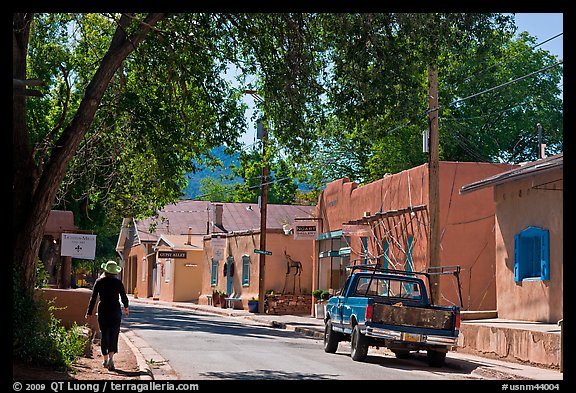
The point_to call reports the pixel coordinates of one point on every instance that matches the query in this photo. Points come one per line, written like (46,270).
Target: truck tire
(436,358)
(331,338)
(359,345)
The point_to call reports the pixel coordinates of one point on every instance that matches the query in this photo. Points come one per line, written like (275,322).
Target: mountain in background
(193,189)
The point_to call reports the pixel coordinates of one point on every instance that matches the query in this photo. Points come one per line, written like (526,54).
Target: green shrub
(317,293)
(325,295)
(39,338)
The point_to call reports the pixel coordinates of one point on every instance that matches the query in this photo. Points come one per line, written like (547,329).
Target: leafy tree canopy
(132,101)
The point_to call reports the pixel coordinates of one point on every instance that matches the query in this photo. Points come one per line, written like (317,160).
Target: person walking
(109,289)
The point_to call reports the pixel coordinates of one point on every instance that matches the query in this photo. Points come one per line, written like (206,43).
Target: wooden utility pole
(434,181)
(263,214)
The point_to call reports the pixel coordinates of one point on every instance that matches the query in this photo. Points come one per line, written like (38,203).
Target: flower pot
(253,306)
(319,310)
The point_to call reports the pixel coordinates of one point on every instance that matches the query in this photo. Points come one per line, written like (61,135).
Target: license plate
(416,338)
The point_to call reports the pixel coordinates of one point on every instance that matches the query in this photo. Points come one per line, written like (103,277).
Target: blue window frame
(532,254)
(409,262)
(385,254)
(245,270)
(214,273)
(409,259)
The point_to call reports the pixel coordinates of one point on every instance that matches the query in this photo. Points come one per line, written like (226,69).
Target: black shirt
(110,289)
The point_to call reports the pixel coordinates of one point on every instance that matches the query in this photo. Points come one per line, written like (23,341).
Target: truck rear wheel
(359,344)
(436,358)
(331,338)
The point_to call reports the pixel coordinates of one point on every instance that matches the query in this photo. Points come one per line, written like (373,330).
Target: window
(532,254)
(409,259)
(144,268)
(370,286)
(245,270)
(365,248)
(167,268)
(214,273)
(385,254)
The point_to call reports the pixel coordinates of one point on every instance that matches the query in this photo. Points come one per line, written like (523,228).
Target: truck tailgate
(413,316)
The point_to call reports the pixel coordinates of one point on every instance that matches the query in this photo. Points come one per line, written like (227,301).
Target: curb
(145,370)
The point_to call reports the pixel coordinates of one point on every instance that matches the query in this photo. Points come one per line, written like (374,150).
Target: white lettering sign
(78,246)
(305,230)
(218,247)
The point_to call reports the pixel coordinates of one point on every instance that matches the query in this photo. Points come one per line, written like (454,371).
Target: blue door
(229,274)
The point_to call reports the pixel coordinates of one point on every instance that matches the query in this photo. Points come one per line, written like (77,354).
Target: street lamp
(263,209)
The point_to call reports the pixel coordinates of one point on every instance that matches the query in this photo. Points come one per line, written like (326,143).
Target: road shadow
(158,318)
(266,375)
(418,361)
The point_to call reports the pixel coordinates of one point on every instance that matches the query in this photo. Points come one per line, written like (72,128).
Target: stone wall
(288,304)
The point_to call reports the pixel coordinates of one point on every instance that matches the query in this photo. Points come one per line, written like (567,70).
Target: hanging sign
(78,246)
(305,230)
(171,254)
(218,247)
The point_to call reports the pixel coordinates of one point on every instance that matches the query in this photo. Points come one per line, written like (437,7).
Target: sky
(543,26)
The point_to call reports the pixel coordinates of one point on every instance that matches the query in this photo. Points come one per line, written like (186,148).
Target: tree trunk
(33,200)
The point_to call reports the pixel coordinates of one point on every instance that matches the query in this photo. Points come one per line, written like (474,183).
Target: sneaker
(105,363)
(111,365)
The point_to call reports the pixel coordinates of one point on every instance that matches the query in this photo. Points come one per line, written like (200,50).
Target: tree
(380,112)
(132,99)
(281,185)
(35,184)
(216,190)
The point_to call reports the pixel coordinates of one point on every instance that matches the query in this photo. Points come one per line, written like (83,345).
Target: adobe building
(138,241)
(386,222)
(232,263)
(529,237)
(173,257)
(179,261)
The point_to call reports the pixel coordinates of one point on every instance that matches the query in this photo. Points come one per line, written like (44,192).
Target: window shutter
(545,255)
(517,277)
(245,270)
(214,277)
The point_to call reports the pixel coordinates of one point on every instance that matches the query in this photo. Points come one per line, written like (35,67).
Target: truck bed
(403,315)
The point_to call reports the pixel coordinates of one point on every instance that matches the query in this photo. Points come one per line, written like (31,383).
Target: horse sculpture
(297,267)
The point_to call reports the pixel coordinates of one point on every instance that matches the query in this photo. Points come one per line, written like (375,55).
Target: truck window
(384,287)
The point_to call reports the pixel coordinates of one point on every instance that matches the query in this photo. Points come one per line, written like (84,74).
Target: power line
(512,57)
(505,84)
(428,111)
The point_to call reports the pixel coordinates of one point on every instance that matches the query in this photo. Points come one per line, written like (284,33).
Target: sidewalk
(314,327)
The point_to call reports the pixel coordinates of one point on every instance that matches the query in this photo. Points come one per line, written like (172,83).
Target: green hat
(111,267)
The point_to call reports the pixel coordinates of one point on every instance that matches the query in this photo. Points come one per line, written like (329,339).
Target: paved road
(201,346)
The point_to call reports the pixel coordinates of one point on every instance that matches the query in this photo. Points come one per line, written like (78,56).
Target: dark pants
(109,322)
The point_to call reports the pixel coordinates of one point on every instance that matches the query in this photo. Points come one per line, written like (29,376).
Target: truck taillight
(369,309)
(458,320)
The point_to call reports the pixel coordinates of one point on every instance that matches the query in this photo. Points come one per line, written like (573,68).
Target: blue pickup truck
(389,309)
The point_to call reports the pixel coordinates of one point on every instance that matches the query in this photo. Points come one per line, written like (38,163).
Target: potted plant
(253,305)
(215,297)
(223,296)
(318,305)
